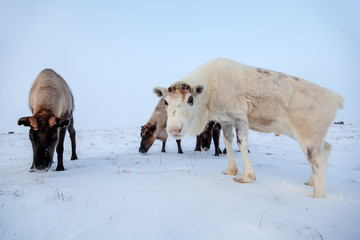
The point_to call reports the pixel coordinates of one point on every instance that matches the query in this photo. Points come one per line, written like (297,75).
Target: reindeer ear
(52,121)
(62,122)
(198,89)
(28,121)
(160,91)
(58,122)
(24,121)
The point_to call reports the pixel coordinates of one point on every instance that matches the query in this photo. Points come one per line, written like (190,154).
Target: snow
(114,192)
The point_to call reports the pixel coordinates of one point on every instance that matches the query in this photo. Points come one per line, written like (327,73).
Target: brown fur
(52,105)
(155,128)
(52,121)
(180,87)
(203,140)
(33,123)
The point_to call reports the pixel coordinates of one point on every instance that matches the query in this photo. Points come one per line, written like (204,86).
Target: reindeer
(211,131)
(52,104)
(203,140)
(155,128)
(246,97)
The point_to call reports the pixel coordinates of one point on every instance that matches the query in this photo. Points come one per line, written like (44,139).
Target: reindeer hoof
(311,182)
(60,168)
(245,178)
(232,171)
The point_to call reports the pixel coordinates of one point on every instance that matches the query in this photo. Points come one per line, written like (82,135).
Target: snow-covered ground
(114,192)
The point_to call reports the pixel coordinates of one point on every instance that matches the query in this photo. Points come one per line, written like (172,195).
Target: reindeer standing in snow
(52,105)
(155,128)
(245,97)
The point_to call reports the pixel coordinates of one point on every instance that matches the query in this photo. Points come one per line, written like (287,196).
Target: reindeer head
(182,105)
(147,137)
(44,135)
(206,136)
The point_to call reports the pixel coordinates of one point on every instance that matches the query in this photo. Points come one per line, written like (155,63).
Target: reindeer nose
(175,131)
(205,149)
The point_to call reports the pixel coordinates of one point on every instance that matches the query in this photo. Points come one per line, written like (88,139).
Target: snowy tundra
(114,192)
(246,97)
(52,104)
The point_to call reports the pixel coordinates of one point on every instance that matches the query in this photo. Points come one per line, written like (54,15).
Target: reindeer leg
(326,152)
(163,146)
(318,169)
(216,137)
(72,134)
(60,150)
(317,152)
(242,129)
(198,144)
(179,146)
(228,136)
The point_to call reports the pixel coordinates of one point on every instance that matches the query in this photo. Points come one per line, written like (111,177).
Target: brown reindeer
(203,140)
(52,104)
(155,128)
(211,131)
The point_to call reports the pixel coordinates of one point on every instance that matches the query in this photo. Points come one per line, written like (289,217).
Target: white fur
(245,97)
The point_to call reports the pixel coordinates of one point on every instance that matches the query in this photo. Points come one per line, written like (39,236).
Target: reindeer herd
(155,128)
(220,94)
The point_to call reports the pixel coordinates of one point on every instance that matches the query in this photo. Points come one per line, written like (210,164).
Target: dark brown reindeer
(155,128)
(203,141)
(52,104)
(211,132)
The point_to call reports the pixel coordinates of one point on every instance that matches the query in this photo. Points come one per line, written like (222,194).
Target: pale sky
(112,53)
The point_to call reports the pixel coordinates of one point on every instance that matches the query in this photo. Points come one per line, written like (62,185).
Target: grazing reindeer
(203,140)
(52,104)
(237,95)
(155,128)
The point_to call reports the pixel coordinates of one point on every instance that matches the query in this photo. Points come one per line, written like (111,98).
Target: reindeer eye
(191,100)
(166,103)
(54,137)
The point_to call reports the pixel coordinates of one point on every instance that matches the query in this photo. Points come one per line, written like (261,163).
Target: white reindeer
(246,97)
